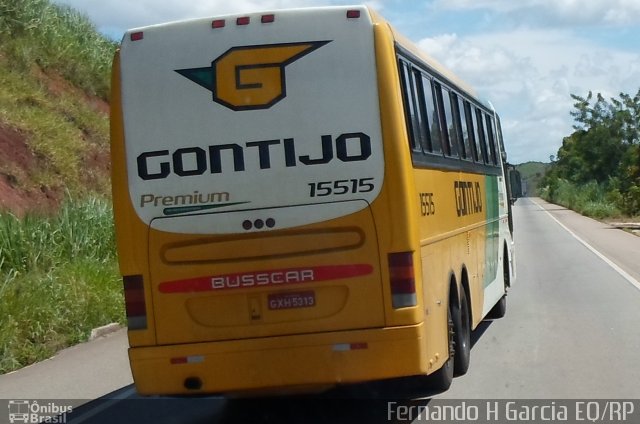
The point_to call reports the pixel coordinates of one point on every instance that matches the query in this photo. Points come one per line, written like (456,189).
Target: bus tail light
(353,14)
(135,305)
(218,23)
(402,278)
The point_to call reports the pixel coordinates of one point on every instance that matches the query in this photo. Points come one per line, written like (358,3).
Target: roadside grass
(58,273)
(59,280)
(591,199)
(61,131)
(54,68)
(58,38)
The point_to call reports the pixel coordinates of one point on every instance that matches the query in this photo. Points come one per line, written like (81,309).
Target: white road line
(95,411)
(608,261)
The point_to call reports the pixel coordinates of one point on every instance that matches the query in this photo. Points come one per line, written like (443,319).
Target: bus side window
(488,139)
(471,126)
(459,114)
(410,107)
(500,139)
(423,121)
(492,139)
(449,136)
(480,135)
(435,135)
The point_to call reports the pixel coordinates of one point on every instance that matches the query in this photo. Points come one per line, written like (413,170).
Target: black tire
(499,310)
(442,379)
(462,335)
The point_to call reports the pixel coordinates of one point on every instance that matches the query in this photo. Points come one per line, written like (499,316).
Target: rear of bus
(262,226)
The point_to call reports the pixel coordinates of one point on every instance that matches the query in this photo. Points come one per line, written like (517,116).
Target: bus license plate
(306,299)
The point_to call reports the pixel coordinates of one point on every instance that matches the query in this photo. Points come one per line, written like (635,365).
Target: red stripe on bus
(267,278)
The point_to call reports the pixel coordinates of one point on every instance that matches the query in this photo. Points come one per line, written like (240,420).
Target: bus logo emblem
(250,77)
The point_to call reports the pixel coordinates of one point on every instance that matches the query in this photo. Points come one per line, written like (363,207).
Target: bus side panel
(131,232)
(453,233)
(497,235)
(396,203)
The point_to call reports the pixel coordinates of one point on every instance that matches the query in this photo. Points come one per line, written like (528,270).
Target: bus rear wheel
(462,335)
(442,379)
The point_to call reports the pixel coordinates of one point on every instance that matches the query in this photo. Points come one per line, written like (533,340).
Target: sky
(524,56)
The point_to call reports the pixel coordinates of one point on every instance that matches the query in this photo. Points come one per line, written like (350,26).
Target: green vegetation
(54,83)
(56,38)
(58,271)
(58,280)
(597,170)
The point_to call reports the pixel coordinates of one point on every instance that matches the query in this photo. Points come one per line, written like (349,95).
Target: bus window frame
(436,159)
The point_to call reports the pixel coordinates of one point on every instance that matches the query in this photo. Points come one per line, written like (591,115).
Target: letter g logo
(250,77)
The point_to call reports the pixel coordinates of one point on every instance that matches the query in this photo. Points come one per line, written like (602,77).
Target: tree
(604,147)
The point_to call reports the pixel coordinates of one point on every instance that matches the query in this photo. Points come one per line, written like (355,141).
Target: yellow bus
(302,199)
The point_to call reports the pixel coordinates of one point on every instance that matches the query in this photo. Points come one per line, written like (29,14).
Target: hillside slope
(54,84)
(531,174)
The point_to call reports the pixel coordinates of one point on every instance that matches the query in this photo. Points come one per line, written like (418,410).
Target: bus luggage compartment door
(315,278)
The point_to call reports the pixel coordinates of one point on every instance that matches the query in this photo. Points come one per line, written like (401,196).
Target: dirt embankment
(19,164)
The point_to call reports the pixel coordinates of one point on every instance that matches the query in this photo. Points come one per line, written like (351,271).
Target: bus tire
(442,379)
(499,310)
(462,335)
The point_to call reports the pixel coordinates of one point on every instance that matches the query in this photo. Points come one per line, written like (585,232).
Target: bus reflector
(135,305)
(267,19)
(218,23)
(353,14)
(193,359)
(137,36)
(402,279)
(243,20)
(345,347)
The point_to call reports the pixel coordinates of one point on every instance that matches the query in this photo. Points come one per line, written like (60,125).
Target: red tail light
(353,14)
(134,302)
(218,23)
(402,279)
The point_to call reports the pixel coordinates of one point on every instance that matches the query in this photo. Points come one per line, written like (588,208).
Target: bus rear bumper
(280,362)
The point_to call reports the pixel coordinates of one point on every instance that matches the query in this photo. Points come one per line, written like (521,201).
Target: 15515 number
(339,187)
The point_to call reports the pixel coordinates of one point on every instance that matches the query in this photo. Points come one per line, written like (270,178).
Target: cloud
(556,12)
(121,15)
(126,14)
(529,75)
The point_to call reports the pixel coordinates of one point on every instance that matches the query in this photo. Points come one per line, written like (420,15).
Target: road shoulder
(85,371)
(618,246)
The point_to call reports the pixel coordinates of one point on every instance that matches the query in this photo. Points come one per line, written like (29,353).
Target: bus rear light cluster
(244,20)
(135,305)
(402,280)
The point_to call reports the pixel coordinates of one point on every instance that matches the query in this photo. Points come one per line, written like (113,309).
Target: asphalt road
(572,328)
(572,331)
